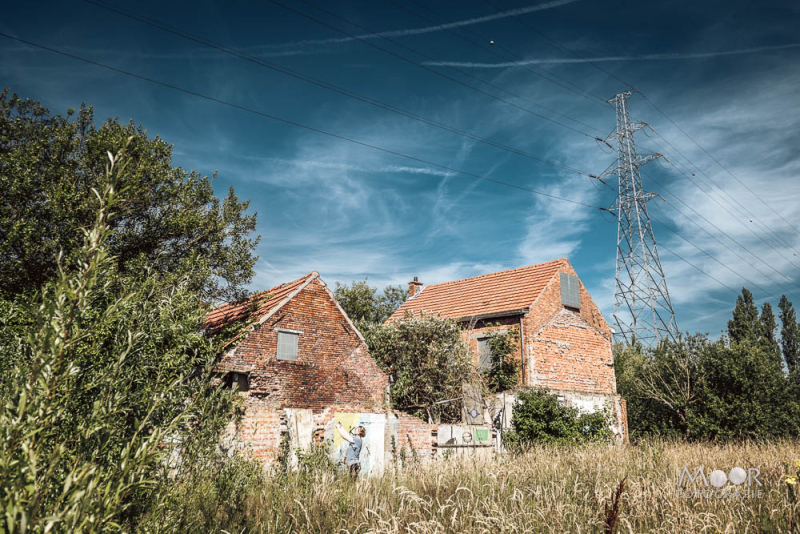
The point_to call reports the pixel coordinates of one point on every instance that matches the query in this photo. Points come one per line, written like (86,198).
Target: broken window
(287,345)
(570,291)
(238,382)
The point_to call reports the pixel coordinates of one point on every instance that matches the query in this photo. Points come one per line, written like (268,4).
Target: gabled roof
(513,290)
(259,305)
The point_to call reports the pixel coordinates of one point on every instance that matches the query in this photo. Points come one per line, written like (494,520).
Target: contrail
(308,164)
(424,29)
(644,57)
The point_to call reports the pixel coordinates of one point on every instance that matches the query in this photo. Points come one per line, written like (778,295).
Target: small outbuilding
(301,365)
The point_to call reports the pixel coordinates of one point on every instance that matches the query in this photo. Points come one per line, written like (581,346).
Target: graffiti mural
(372,451)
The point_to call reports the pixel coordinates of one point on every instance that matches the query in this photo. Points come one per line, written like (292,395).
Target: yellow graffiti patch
(349,421)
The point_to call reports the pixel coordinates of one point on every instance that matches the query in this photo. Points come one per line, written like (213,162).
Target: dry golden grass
(548,489)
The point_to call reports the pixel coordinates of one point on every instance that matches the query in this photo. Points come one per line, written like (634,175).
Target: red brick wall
(260,430)
(568,353)
(416,433)
(566,348)
(333,364)
(549,303)
(333,372)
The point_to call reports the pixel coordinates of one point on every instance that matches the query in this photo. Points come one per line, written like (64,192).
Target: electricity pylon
(642,308)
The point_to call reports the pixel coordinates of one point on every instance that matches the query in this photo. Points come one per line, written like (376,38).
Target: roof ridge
(261,298)
(496,272)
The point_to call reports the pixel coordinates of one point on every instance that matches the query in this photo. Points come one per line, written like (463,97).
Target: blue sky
(726,72)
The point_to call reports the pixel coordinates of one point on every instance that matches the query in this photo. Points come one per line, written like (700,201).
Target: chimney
(414,287)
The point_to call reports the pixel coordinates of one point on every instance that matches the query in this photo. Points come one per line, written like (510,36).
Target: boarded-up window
(287,345)
(570,291)
(484,353)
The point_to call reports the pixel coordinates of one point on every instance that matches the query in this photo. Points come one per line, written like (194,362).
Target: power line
(652,104)
(665,226)
(297,124)
(693,265)
(665,247)
(537,71)
(542,34)
(722,232)
(526,67)
(323,132)
(612,75)
(752,217)
(425,67)
(393,41)
(707,253)
(319,83)
(748,228)
(405,59)
(717,161)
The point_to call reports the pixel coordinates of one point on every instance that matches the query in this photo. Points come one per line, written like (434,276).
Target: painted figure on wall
(370,457)
(352,458)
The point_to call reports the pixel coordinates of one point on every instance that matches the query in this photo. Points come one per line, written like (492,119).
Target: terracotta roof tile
(503,291)
(264,302)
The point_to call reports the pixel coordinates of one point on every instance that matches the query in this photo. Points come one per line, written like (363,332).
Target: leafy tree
(362,303)
(538,416)
(505,369)
(790,334)
(745,395)
(745,324)
(727,389)
(167,219)
(662,386)
(392,298)
(109,380)
(427,362)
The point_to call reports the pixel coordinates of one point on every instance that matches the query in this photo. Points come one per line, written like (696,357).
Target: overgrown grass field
(547,489)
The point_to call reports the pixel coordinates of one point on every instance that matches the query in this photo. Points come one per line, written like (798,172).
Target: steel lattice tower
(642,307)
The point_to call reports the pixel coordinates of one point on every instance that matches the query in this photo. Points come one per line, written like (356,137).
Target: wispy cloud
(556,229)
(641,57)
(311,45)
(309,164)
(764,249)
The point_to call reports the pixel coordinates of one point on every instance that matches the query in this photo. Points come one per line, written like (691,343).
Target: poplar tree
(745,325)
(790,334)
(767,340)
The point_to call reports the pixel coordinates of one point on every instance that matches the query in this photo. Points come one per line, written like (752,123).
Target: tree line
(746,384)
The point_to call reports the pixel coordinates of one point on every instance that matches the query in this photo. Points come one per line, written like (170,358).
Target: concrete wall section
(372,451)
(594,402)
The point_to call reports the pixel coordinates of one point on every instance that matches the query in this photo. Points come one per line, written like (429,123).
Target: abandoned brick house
(566,344)
(301,365)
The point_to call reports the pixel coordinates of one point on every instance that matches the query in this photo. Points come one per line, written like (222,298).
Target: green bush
(539,417)
(106,397)
(427,362)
